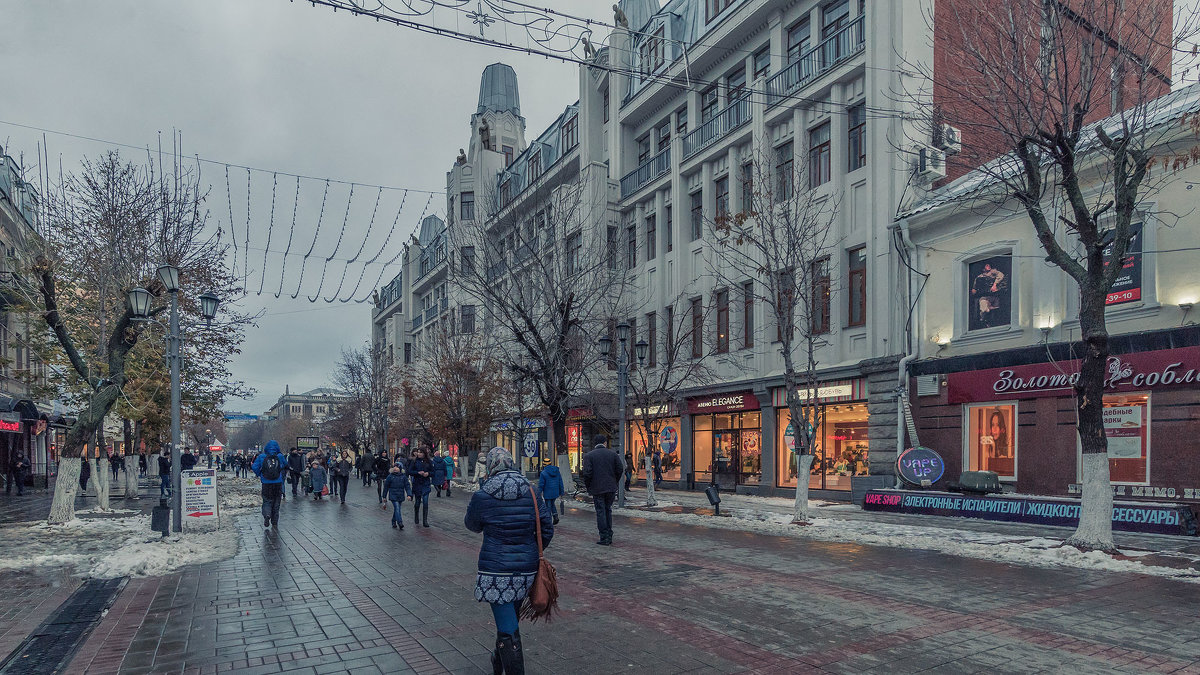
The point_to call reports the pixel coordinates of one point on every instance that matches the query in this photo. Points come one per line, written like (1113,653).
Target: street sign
(308,442)
(199,495)
(531,446)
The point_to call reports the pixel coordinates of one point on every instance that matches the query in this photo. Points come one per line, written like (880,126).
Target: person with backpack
(550,484)
(503,509)
(395,487)
(270,466)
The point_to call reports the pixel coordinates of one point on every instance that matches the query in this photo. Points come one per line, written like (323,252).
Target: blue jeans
(396,517)
(164,485)
(505,615)
(550,503)
(603,504)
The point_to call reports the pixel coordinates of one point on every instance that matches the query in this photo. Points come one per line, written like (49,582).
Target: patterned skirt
(502,587)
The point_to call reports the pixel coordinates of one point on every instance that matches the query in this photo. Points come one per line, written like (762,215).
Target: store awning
(25,408)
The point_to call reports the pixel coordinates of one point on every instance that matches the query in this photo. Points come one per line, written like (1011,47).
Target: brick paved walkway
(339,591)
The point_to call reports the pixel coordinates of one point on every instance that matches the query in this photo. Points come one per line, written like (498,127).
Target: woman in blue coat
(420,469)
(439,473)
(550,484)
(317,474)
(396,487)
(449,460)
(503,510)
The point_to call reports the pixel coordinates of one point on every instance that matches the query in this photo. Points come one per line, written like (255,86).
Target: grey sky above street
(277,85)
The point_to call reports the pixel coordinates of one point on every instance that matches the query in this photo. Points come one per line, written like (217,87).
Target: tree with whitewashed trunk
(777,249)
(1056,101)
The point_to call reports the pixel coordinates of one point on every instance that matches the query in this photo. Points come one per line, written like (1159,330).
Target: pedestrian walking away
(19,469)
(602,469)
(503,510)
(143,467)
(366,464)
(341,474)
(550,485)
(319,476)
(331,470)
(658,477)
(448,458)
(439,472)
(381,468)
(295,465)
(164,475)
(420,469)
(396,487)
(85,472)
(270,466)
(628,470)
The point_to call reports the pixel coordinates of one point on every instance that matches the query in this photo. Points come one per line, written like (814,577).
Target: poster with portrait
(1128,285)
(989,292)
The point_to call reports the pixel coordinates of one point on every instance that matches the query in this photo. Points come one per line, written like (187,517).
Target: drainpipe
(910,353)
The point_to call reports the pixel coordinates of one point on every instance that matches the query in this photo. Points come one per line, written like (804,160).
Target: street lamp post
(622,385)
(139,302)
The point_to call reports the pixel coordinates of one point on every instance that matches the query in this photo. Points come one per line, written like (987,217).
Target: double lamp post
(641,347)
(139,304)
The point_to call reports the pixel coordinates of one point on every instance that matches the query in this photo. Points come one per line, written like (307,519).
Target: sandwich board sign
(199,498)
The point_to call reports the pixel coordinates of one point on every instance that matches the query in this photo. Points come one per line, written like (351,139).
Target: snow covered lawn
(120,543)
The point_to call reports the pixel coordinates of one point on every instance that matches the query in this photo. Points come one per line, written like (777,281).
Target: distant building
(236,420)
(316,405)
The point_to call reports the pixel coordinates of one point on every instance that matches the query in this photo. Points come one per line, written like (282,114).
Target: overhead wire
(270,229)
(291,231)
(363,272)
(338,245)
(316,235)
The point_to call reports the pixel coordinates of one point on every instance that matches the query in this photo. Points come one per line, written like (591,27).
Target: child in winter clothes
(395,487)
(550,484)
(449,460)
(317,475)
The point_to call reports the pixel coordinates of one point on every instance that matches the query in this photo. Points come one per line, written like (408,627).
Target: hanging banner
(1128,285)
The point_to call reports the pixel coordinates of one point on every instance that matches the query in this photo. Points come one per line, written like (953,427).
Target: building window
(762,62)
(671,348)
(651,237)
(992,439)
(570,132)
(681,121)
(670,232)
(467,206)
(643,149)
(736,83)
(505,192)
(785,171)
(574,253)
(989,298)
(715,7)
(651,339)
(1127,426)
(408,352)
(819,170)
(631,246)
(799,38)
(856,266)
(606,105)
(856,140)
(467,319)
(664,136)
(508,154)
(697,215)
(722,196)
(467,258)
(610,247)
(535,166)
(834,17)
(820,300)
(747,178)
(722,303)
(748,314)
(708,104)
(651,51)
(697,328)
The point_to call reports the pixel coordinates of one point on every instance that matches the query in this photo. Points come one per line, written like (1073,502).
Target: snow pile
(148,556)
(239,494)
(1014,549)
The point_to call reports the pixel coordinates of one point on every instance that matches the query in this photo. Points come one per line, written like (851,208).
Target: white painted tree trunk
(650,500)
(131,477)
(62,508)
(800,514)
(1096,506)
(103,479)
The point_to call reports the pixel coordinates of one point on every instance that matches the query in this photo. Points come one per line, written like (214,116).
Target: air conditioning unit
(948,139)
(931,163)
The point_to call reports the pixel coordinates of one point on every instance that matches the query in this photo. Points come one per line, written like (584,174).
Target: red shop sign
(14,427)
(1127,372)
(745,400)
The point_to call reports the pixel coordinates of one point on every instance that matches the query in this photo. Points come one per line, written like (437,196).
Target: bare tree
(112,224)
(1058,104)
(780,243)
(547,275)
(373,388)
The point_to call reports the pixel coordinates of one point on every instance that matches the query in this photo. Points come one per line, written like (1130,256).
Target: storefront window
(992,439)
(702,447)
(575,447)
(729,445)
(665,436)
(839,446)
(1127,426)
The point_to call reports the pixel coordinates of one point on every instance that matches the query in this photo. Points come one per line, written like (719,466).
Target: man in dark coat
(295,464)
(20,469)
(187,461)
(381,468)
(602,469)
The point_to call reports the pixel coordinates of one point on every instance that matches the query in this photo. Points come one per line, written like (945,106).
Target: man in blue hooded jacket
(270,466)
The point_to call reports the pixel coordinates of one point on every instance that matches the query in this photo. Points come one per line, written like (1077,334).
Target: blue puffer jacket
(420,484)
(550,482)
(439,471)
(272,448)
(502,510)
(396,487)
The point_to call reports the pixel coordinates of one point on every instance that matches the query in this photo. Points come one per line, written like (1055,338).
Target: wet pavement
(337,590)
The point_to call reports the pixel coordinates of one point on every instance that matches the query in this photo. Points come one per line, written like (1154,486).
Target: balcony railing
(496,271)
(417,321)
(808,66)
(733,116)
(431,314)
(648,171)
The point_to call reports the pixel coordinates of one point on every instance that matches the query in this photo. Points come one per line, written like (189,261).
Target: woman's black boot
(497,664)
(511,655)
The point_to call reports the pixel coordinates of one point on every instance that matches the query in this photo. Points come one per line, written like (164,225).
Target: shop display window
(992,439)
(1127,426)
(839,447)
(728,445)
(665,437)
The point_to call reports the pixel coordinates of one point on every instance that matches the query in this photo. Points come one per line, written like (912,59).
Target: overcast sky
(279,85)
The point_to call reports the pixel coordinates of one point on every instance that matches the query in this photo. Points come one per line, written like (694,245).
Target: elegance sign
(723,403)
(1127,372)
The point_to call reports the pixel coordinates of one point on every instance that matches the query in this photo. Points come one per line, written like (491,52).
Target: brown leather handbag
(543,597)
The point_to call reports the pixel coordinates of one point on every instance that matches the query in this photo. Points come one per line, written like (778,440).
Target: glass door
(725,457)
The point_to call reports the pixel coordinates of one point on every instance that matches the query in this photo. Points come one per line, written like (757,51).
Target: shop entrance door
(725,457)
